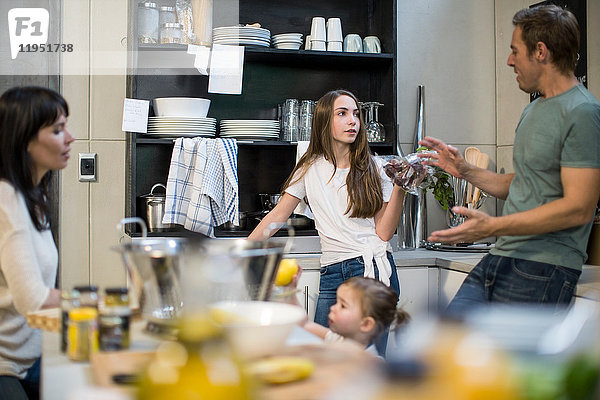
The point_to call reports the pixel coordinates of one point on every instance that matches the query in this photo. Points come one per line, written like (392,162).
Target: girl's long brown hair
(365,197)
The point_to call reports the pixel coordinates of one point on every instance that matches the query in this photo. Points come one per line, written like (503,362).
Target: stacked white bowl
(290,41)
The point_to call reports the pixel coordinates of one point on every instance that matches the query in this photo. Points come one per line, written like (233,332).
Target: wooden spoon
(471,156)
(483,161)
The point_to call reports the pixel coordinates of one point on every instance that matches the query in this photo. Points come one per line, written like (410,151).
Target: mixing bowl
(181,107)
(257,328)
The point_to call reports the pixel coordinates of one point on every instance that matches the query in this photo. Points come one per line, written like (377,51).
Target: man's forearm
(490,182)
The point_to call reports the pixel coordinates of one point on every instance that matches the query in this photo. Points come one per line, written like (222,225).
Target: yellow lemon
(288,267)
(281,369)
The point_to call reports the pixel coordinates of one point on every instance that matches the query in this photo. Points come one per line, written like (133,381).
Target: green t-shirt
(561,131)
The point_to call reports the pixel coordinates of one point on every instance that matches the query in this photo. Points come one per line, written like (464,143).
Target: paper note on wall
(135,115)
(226,69)
(202,57)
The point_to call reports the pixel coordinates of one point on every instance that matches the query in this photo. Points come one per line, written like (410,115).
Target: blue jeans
(13,388)
(334,275)
(513,280)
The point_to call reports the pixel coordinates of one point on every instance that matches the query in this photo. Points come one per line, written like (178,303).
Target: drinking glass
(306,114)
(290,120)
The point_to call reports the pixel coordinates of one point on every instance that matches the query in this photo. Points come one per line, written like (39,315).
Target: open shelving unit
(270,76)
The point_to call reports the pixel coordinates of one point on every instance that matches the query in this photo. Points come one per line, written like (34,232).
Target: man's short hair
(557,28)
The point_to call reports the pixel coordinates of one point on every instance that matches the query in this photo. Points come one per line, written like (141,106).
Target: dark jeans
(13,388)
(334,275)
(513,280)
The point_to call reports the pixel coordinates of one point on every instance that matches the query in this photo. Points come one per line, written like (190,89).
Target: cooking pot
(154,208)
(269,201)
(230,226)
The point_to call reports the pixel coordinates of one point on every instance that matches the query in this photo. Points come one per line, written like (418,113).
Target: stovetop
(461,247)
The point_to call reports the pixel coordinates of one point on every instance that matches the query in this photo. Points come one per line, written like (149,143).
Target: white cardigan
(28,264)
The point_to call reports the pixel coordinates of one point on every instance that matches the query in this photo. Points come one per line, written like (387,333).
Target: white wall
(448,46)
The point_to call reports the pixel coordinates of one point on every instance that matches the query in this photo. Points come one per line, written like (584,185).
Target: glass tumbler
(306,113)
(290,120)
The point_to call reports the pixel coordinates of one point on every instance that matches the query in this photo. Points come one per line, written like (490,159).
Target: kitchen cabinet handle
(306,298)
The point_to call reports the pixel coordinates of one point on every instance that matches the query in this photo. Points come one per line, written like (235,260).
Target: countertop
(588,285)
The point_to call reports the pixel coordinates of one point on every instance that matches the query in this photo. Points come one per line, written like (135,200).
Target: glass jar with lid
(69,299)
(148,23)
(114,320)
(166,14)
(170,32)
(88,296)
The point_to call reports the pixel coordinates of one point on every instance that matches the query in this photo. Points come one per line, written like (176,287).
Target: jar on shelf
(114,320)
(88,296)
(148,22)
(170,32)
(166,14)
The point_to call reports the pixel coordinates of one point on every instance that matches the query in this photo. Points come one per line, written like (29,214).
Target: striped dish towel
(202,187)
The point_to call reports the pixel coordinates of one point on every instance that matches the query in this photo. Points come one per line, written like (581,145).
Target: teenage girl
(365,308)
(355,206)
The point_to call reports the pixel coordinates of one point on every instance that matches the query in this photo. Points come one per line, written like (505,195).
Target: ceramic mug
(353,43)
(371,44)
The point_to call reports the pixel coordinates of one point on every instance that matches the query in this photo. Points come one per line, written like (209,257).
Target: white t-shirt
(332,337)
(28,263)
(342,237)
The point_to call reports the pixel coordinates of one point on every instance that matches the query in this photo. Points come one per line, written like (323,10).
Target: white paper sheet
(202,60)
(135,115)
(226,69)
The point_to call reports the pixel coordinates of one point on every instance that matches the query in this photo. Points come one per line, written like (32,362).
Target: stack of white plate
(291,41)
(250,129)
(182,126)
(242,35)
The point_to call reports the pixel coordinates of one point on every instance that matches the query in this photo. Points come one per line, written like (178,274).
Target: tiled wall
(448,46)
(91,210)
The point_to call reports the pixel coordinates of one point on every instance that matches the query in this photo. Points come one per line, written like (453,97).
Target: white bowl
(257,328)
(181,107)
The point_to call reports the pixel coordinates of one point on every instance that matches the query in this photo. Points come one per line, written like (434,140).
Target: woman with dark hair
(34,142)
(355,205)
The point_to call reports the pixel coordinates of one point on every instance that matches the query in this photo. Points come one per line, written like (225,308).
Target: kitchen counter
(588,286)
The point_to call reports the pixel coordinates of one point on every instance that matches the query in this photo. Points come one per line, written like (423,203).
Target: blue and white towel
(202,187)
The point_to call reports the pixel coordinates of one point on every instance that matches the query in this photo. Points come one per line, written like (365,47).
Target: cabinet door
(308,284)
(450,282)
(414,290)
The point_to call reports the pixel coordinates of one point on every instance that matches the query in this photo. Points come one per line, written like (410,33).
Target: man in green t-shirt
(551,196)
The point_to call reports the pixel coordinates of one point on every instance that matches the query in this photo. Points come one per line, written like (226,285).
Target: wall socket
(88,167)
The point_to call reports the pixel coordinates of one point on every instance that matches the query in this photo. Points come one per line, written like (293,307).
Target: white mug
(317,29)
(353,43)
(371,44)
(334,30)
(318,45)
(308,43)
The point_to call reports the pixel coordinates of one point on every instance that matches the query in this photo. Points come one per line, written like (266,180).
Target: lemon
(281,369)
(288,267)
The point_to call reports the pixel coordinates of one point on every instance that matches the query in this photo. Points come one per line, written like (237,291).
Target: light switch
(87,167)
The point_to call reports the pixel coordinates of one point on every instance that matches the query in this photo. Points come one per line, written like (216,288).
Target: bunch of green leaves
(439,184)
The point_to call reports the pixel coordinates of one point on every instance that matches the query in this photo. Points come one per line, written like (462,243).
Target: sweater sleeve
(18,260)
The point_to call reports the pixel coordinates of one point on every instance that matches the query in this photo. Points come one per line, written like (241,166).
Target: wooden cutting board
(336,364)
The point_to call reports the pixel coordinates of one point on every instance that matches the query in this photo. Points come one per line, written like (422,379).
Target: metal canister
(82,333)
(154,204)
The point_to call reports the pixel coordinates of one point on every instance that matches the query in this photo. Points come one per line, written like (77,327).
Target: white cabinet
(449,283)
(308,284)
(414,290)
